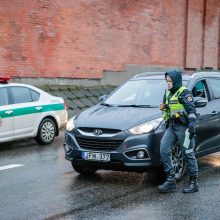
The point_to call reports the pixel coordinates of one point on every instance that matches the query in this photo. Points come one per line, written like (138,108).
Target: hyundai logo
(97,132)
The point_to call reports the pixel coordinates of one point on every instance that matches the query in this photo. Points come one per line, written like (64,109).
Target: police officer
(179,114)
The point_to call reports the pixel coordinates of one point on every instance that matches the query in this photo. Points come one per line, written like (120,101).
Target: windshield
(146,93)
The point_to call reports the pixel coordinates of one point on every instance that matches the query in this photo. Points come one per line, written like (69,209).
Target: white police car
(26,111)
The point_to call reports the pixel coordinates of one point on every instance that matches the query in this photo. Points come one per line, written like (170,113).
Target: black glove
(191,130)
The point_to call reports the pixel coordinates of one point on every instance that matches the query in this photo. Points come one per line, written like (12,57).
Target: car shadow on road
(150,178)
(16,144)
(117,179)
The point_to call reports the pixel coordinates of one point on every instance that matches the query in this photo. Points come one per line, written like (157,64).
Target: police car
(26,111)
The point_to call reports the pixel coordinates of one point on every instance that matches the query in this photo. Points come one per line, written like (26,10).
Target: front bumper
(122,158)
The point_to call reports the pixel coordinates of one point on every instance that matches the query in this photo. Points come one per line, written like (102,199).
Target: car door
(214,85)
(6,116)
(26,110)
(207,126)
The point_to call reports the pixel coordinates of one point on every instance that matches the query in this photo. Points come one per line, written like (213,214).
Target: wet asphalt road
(46,187)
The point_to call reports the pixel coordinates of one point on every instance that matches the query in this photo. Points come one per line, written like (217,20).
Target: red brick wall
(203,34)
(212,34)
(194,33)
(80,39)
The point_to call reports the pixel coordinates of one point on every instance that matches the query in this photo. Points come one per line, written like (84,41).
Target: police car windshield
(146,93)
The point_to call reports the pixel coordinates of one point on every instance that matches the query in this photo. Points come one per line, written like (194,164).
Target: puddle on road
(209,161)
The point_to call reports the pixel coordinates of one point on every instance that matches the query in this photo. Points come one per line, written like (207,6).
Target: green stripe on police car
(30,110)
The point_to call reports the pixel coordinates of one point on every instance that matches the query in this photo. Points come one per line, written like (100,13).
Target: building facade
(85,38)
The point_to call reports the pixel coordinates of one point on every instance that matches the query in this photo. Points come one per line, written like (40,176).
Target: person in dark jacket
(180,115)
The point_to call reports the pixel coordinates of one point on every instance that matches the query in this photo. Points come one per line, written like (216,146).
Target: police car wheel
(82,170)
(46,132)
(179,164)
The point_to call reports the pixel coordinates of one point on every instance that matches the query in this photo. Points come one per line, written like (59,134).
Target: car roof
(206,74)
(185,75)
(12,84)
(25,85)
(15,84)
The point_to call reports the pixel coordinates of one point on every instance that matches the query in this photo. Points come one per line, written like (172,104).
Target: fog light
(67,148)
(140,154)
(137,154)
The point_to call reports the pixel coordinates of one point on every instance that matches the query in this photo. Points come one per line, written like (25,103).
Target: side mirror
(200,102)
(102,98)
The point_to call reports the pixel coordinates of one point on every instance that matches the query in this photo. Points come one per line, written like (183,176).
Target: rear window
(3,97)
(35,95)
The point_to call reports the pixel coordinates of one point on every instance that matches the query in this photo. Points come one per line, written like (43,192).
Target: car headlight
(70,124)
(146,127)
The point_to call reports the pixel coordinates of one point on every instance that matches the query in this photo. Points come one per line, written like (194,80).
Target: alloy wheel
(178,162)
(47,131)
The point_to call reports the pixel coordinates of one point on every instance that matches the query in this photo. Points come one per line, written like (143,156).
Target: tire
(179,164)
(46,132)
(82,170)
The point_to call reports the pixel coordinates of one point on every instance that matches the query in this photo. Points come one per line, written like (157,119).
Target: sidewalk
(78,98)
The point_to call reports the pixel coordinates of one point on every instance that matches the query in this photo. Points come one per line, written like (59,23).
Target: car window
(35,95)
(21,94)
(3,97)
(215,85)
(199,90)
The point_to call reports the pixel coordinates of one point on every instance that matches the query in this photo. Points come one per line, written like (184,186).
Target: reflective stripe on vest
(174,104)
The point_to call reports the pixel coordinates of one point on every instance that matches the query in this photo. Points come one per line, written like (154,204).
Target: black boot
(192,186)
(169,185)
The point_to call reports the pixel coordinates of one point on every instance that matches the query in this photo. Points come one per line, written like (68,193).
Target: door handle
(214,113)
(9,112)
(39,108)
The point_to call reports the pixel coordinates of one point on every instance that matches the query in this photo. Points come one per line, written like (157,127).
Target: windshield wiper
(106,104)
(139,106)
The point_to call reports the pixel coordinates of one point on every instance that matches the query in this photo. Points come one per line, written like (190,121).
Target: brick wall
(82,38)
(203,34)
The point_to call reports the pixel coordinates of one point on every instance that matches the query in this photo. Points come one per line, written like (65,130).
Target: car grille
(99,144)
(104,130)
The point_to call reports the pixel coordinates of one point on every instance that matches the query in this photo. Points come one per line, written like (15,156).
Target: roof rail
(148,74)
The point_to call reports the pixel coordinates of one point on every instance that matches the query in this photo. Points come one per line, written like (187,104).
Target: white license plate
(95,156)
